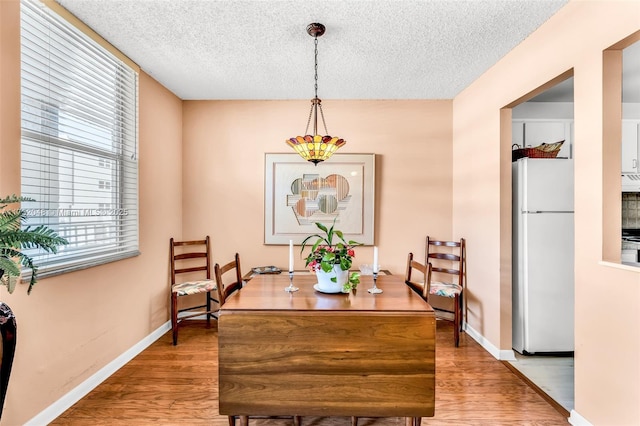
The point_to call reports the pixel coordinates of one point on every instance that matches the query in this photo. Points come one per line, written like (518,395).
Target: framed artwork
(298,194)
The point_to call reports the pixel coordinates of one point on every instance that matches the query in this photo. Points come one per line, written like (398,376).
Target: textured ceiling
(259,49)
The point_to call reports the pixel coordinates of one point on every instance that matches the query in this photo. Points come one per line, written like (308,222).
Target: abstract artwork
(299,194)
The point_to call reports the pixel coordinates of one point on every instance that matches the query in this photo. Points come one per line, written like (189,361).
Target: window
(79,142)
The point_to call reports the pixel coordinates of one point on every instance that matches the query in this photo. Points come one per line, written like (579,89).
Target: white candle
(290,255)
(375,259)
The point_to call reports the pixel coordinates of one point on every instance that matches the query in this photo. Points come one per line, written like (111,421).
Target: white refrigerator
(543,253)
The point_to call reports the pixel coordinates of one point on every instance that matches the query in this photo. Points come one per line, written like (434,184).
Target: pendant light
(316,148)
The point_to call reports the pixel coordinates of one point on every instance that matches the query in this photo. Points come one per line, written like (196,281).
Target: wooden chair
(191,258)
(225,290)
(419,286)
(422,289)
(229,279)
(446,288)
(418,278)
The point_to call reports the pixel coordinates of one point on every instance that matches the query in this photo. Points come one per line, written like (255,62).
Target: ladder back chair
(420,286)
(446,288)
(229,279)
(418,278)
(225,289)
(193,259)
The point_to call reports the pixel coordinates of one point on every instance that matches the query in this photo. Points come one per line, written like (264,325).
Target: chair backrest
(447,257)
(190,256)
(232,284)
(421,286)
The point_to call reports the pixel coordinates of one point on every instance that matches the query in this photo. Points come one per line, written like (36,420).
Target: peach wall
(607,357)
(69,328)
(9,97)
(74,324)
(224,147)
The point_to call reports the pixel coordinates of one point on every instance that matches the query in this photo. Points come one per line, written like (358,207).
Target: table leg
(244,420)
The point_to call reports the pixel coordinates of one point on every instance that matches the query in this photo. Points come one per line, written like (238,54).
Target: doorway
(630,150)
(542,249)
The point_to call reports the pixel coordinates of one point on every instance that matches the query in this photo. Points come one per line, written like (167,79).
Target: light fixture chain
(316,65)
(306,130)
(312,146)
(326,132)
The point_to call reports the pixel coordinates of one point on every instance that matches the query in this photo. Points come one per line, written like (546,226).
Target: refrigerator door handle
(546,211)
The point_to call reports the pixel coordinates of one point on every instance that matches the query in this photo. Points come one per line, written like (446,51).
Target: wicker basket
(545,150)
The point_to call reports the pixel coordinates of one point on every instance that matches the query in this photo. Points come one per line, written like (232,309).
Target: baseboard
(60,406)
(559,408)
(577,420)
(502,355)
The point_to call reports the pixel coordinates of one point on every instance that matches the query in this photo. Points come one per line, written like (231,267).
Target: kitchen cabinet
(630,146)
(517,133)
(530,133)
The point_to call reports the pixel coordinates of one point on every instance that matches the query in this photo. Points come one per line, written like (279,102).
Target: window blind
(79,143)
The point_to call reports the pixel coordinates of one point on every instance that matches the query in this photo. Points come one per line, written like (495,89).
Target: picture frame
(298,194)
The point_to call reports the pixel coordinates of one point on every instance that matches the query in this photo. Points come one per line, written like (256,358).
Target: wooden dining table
(308,353)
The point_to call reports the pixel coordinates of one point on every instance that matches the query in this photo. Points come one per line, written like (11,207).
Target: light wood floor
(167,385)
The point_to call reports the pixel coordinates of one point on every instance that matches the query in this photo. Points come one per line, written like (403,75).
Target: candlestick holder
(375,289)
(291,287)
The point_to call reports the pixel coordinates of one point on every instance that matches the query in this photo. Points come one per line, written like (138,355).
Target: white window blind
(79,143)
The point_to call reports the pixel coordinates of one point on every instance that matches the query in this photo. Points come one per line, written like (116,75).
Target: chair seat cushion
(194,287)
(445,289)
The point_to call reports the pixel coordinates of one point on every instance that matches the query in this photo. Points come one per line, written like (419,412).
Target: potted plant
(331,260)
(14,239)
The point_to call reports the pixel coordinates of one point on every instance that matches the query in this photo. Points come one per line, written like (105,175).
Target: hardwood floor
(177,385)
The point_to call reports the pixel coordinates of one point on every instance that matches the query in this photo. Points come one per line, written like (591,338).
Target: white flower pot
(325,283)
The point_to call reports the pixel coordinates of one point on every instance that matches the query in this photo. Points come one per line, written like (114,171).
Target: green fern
(14,239)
